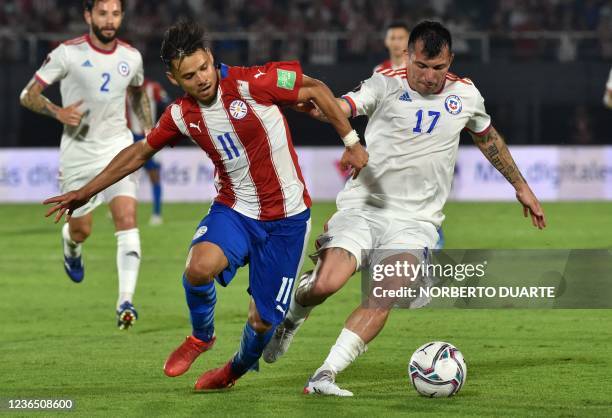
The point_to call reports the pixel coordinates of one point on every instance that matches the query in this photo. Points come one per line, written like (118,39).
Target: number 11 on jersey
(419,115)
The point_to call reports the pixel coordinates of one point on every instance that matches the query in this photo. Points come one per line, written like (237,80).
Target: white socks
(128,263)
(347,348)
(71,249)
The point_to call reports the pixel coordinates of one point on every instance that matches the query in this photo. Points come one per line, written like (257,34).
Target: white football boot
(280,341)
(324,383)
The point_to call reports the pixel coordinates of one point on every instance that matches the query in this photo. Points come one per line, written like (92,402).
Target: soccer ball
(437,369)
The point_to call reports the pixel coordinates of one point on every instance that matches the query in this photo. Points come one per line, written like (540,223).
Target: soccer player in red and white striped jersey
(261,214)
(396,42)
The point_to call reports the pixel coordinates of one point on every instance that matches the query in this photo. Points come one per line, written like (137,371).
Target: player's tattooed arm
(142,107)
(493,146)
(608,99)
(32,98)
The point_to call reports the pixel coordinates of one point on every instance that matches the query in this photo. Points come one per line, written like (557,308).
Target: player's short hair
(434,36)
(398,25)
(88,5)
(180,40)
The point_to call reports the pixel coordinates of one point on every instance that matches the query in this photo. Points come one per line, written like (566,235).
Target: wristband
(351,139)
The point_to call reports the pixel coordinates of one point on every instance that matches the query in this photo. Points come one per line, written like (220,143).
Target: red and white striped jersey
(247,138)
(386,66)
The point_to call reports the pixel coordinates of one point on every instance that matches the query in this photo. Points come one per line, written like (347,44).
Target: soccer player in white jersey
(396,41)
(261,215)
(95,72)
(415,118)
(608,95)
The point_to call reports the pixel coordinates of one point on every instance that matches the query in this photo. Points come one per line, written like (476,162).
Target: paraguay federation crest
(453,104)
(238,109)
(123,68)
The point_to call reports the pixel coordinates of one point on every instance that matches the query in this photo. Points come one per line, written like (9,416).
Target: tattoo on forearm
(142,108)
(496,151)
(37,102)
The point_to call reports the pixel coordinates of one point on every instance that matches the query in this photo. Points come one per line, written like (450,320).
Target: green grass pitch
(58,339)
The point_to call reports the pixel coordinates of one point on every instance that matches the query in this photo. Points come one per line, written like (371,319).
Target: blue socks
(251,347)
(201,301)
(157,198)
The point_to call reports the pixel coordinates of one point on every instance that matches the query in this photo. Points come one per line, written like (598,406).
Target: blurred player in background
(608,95)
(396,42)
(158,99)
(95,72)
(261,214)
(396,203)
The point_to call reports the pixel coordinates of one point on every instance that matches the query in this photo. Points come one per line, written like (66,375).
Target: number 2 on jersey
(104,86)
(419,115)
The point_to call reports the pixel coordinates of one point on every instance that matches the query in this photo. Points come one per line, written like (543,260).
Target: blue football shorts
(274,251)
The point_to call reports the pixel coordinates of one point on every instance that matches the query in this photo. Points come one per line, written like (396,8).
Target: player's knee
(125,220)
(326,283)
(259,325)
(200,272)
(80,233)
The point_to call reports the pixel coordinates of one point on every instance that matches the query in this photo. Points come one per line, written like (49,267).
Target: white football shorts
(357,230)
(127,186)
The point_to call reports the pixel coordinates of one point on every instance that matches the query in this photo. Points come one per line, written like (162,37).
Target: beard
(103,38)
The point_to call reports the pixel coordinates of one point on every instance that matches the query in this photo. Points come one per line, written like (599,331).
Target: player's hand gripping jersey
(412,141)
(246,136)
(99,78)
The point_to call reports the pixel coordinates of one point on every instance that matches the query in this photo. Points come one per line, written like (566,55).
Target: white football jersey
(412,141)
(99,78)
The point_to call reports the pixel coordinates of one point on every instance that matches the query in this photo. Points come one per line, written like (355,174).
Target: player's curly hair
(434,36)
(180,40)
(88,5)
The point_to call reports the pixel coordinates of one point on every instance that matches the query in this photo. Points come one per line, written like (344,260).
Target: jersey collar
(102,51)
(223,70)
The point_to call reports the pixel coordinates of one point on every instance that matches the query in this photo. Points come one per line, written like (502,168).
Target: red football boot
(219,378)
(183,357)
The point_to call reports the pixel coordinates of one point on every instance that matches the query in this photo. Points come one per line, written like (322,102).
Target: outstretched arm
(314,112)
(32,98)
(315,91)
(141,106)
(493,146)
(127,161)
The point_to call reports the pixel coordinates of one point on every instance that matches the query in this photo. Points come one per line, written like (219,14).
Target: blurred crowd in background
(492,40)
(258,30)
